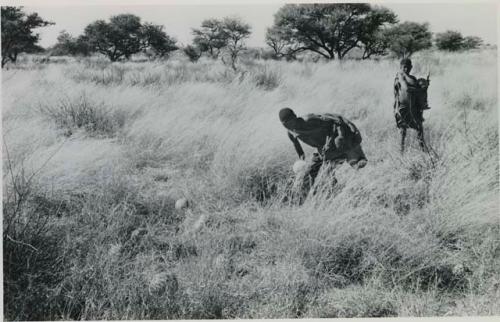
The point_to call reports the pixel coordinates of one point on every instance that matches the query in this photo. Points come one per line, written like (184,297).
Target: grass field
(95,155)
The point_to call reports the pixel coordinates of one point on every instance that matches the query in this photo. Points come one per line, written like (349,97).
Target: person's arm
(297,146)
(411,83)
(397,87)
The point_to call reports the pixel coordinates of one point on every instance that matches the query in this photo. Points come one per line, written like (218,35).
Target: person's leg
(314,167)
(420,137)
(332,165)
(356,157)
(305,181)
(402,131)
(327,180)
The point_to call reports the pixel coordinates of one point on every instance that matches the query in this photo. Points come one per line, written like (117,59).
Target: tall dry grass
(95,154)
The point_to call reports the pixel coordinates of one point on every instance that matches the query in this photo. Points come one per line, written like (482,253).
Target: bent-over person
(336,139)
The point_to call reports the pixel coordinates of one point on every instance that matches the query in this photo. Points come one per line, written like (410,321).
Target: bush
(31,249)
(80,113)
(449,40)
(267,78)
(192,53)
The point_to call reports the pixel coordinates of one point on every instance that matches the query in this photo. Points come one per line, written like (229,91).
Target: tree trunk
(319,52)
(13,57)
(234,56)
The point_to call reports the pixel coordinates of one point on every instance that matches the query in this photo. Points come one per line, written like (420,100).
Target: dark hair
(286,114)
(405,62)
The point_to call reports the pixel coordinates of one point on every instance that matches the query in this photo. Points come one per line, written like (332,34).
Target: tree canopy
(125,35)
(17,32)
(330,30)
(210,38)
(221,37)
(157,40)
(408,37)
(372,37)
(69,45)
(235,32)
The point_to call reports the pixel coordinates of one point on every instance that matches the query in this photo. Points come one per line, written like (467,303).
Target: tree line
(331,31)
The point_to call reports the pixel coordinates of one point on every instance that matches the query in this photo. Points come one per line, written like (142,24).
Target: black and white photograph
(180,160)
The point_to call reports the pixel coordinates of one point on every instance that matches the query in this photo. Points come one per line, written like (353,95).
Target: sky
(470,18)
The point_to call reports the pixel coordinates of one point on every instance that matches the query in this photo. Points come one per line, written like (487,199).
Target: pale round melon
(299,166)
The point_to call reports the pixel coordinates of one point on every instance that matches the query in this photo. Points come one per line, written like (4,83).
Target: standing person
(335,138)
(410,100)
(408,89)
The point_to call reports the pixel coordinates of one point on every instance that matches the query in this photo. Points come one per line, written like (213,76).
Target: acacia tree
(210,38)
(65,44)
(378,44)
(330,30)
(155,38)
(224,38)
(235,32)
(281,43)
(124,36)
(408,37)
(372,37)
(69,45)
(17,32)
(119,38)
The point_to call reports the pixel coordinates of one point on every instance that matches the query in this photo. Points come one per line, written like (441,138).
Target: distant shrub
(266,78)
(451,40)
(268,55)
(80,113)
(192,53)
(472,42)
(95,62)
(68,45)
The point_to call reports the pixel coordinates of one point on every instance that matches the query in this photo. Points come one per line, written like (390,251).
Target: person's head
(287,117)
(406,65)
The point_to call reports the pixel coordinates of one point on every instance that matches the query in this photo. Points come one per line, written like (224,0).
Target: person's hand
(328,145)
(328,141)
